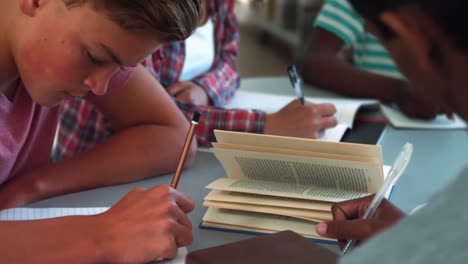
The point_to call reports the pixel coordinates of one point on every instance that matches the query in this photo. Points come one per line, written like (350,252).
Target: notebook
(399,120)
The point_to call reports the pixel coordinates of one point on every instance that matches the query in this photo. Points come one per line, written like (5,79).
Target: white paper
(399,120)
(43,213)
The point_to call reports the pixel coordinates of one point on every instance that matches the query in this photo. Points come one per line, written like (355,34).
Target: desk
(439,156)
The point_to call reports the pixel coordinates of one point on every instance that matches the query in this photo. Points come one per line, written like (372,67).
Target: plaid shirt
(82,126)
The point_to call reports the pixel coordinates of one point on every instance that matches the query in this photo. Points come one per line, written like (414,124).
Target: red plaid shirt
(82,126)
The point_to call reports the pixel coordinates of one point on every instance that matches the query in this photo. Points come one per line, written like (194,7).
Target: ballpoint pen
(185,150)
(395,172)
(296,82)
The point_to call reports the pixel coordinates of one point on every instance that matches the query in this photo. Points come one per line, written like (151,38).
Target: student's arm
(222,80)
(146,225)
(323,68)
(150,134)
(308,121)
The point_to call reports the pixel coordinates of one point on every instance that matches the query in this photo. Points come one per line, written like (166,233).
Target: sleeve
(339,18)
(81,127)
(242,120)
(222,80)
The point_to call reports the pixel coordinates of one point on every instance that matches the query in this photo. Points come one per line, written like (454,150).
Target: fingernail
(322,228)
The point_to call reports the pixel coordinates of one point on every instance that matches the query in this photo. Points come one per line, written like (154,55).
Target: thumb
(358,229)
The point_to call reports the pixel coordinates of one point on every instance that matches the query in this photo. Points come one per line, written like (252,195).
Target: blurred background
(273,34)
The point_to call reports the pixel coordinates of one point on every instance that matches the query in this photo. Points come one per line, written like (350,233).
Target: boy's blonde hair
(169,20)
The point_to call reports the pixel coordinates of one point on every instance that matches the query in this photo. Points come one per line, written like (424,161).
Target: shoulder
(342,8)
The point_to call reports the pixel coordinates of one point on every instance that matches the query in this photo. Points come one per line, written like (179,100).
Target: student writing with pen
(430,44)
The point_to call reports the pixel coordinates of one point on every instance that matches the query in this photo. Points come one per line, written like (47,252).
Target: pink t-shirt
(27,129)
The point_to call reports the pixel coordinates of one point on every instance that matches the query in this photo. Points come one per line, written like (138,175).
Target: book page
(276,210)
(399,120)
(299,144)
(293,152)
(287,169)
(258,199)
(335,134)
(283,190)
(265,223)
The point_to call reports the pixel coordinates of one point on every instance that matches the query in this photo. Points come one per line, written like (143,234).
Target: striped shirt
(340,19)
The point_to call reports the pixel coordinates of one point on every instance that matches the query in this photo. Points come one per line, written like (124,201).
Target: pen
(185,149)
(296,82)
(395,172)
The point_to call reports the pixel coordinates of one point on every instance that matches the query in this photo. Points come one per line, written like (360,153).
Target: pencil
(185,150)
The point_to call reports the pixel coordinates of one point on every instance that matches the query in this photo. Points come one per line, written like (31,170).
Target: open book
(279,183)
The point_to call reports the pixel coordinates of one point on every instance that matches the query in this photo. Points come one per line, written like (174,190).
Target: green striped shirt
(339,18)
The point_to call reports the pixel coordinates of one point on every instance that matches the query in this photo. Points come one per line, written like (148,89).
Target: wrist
(100,240)
(87,237)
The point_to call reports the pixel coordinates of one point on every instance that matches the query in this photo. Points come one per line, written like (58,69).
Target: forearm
(342,77)
(59,240)
(129,155)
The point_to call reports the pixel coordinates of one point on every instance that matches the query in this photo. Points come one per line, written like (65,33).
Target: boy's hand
(146,225)
(189,93)
(297,120)
(348,225)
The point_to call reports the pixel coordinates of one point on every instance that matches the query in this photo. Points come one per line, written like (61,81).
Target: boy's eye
(94,60)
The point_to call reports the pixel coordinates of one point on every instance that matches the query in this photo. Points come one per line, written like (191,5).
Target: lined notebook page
(43,213)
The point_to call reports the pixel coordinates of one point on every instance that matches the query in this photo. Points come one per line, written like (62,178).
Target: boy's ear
(411,33)
(29,7)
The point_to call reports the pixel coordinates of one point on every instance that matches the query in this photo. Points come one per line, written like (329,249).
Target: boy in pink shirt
(55,49)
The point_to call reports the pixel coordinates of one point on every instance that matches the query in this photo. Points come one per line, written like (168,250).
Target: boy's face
(65,52)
